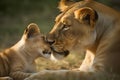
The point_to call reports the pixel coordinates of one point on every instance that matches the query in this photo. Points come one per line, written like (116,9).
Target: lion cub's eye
(65,27)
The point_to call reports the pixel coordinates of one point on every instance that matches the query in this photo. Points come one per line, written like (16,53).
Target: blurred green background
(15,15)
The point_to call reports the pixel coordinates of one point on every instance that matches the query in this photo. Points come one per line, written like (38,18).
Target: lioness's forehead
(70,10)
(67,13)
(61,17)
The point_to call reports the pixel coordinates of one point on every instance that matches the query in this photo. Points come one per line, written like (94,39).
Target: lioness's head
(33,43)
(74,28)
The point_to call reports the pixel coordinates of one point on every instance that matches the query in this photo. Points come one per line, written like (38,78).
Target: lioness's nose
(50,39)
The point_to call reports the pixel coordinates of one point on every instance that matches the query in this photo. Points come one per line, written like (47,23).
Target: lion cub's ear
(86,15)
(31,30)
(63,4)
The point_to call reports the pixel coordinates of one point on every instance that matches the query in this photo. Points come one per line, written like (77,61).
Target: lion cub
(18,60)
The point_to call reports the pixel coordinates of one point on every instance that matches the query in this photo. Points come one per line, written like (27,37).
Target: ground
(70,62)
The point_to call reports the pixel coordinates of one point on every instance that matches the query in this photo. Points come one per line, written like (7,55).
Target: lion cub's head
(33,43)
(74,28)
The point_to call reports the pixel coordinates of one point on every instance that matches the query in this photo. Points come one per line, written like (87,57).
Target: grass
(70,62)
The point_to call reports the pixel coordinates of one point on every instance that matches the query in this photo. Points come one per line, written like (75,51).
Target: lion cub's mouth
(65,53)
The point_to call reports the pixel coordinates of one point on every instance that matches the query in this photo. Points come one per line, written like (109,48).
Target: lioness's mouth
(65,53)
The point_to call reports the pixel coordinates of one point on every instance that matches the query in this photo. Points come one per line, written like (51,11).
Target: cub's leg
(6,78)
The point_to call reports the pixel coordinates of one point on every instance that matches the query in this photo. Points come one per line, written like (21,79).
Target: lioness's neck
(101,32)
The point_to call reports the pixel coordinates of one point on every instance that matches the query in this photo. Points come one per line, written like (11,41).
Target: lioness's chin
(55,57)
(59,55)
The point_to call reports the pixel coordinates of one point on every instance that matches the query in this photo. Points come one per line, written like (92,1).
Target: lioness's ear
(63,4)
(31,30)
(86,15)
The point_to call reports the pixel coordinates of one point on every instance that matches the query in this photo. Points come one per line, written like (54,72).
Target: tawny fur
(18,61)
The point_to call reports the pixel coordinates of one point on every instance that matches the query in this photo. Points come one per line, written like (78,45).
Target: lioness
(18,61)
(91,26)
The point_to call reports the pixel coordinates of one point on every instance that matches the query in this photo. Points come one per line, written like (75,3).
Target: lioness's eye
(65,27)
